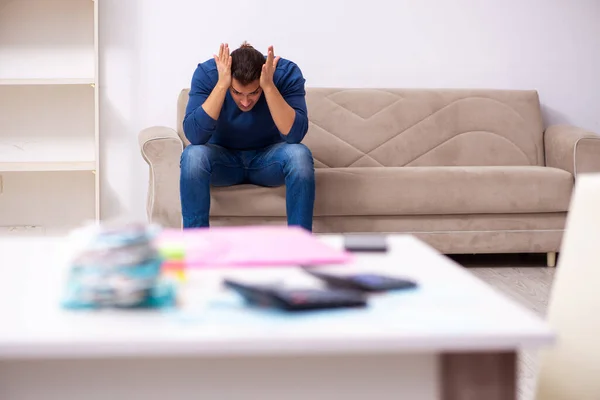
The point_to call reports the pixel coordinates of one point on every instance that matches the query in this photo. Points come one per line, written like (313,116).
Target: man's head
(246,66)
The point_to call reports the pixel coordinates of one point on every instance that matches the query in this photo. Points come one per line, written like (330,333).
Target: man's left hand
(268,69)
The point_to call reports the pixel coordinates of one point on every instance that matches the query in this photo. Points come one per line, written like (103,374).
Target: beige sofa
(468,171)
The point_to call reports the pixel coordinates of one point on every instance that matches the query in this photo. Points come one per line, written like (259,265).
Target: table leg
(476,376)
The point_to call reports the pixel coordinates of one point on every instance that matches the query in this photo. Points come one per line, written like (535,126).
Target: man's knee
(195,159)
(299,161)
(299,158)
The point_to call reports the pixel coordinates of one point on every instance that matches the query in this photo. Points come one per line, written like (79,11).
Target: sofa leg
(551,259)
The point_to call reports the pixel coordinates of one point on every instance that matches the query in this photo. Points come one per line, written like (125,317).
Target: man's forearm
(283,115)
(214,102)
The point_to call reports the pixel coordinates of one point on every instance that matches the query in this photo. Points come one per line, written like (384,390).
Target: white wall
(149,49)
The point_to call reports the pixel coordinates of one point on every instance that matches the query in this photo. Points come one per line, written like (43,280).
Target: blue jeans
(203,166)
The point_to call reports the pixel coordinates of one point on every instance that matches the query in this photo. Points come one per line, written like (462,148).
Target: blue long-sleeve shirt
(240,130)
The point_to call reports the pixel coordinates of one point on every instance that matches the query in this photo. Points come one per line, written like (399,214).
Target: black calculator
(297,299)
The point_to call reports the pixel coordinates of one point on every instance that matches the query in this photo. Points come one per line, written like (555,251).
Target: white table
(453,338)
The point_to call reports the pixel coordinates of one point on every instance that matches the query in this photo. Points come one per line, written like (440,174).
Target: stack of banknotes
(116,265)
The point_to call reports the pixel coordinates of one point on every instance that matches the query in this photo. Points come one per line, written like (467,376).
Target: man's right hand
(213,103)
(223,61)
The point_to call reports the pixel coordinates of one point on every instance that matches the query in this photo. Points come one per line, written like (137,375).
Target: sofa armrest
(161,147)
(572,149)
(157,137)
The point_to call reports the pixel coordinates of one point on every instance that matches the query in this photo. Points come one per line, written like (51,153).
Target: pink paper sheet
(252,246)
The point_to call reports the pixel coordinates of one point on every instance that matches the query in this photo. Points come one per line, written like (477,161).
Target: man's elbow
(299,129)
(194,133)
(189,130)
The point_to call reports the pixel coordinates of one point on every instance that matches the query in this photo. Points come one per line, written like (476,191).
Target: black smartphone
(365,282)
(297,299)
(365,243)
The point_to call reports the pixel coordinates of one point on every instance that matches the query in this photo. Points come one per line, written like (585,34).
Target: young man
(245,119)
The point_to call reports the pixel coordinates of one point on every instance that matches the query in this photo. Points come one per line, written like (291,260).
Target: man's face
(245,96)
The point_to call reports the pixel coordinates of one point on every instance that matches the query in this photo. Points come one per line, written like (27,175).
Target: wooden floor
(526,279)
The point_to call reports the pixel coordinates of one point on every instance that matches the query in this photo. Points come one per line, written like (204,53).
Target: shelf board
(50,81)
(38,166)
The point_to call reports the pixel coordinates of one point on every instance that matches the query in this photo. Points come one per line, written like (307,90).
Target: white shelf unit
(49,122)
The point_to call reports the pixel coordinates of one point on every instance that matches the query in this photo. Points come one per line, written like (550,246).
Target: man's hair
(246,64)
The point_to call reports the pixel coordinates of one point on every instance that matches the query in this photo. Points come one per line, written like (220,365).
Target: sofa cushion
(424,127)
(412,191)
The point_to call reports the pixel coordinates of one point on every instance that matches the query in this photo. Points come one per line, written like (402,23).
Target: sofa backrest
(420,127)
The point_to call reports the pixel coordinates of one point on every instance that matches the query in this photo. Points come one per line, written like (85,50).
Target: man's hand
(283,115)
(223,61)
(268,69)
(213,103)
